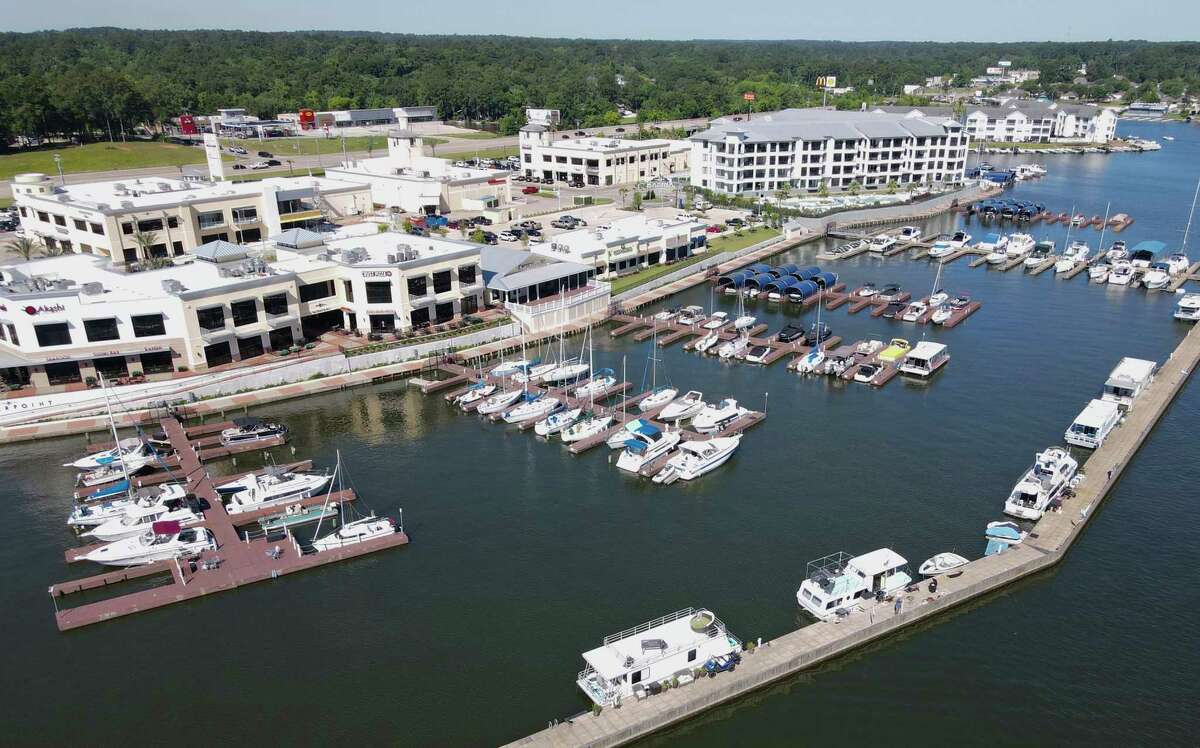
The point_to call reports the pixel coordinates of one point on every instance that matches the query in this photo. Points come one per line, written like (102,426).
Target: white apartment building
(806,148)
(627,244)
(105,218)
(66,319)
(408,180)
(593,161)
(1023,121)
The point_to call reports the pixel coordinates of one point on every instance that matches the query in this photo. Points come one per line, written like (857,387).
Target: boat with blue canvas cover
(777,289)
(1144,253)
(618,438)
(806,273)
(801,291)
(645,444)
(1001,535)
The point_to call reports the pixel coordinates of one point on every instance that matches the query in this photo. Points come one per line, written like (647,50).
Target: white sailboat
(353,531)
(814,360)
(659,396)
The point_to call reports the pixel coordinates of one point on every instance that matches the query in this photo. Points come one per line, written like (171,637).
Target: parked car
(259,165)
(489,237)
(713,229)
(620,129)
(564,223)
(722,663)
(482,221)
(239,166)
(533,232)
(529,225)
(238,150)
(265,154)
(580,132)
(435,221)
(507,236)
(274,162)
(735,222)
(529,190)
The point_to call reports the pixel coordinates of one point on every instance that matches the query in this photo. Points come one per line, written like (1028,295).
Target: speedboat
(1099,273)
(817,333)
(914,311)
(556,422)
(567,372)
(708,341)
(997,256)
(1188,308)
(356,531)
(585,428)
(596,386)
(1118,251)
(910,233)
(683,408)
(744,322)
(667,315)
(1001,535)
(1019,245)
(695,458)
(938,297)
(645,445)
(273,486)
(1070,258)
(757,354)
(1121,273)
(162,542)
(731,348)
(1040,253)
(866,373)
(499,401)
(718,320)
(941,563)
(86,515)
(896,350)
(882,243)
(867,291)
(1041,484)
(942,313)
(868,347)
(690,315)
(1177,263)
(127,448)
(1157,277)
(657,398)
(714,418)
(475,393)
(992,243)
(960,239)
(138,518)
(620,436)
(890,292)
(538,407)
(836,365)
(811,362)
(941,248)
(790,333)
(248,430)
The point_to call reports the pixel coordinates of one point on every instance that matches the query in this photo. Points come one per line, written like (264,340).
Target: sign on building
(548,117)
(212,153)
(748,96)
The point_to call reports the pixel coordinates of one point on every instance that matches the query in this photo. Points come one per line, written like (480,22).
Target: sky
(859,20)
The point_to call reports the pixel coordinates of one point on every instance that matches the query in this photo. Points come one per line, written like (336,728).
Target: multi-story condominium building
(807,148)
(627,244)
(595,161)
(106,218)
(408,180)
(1023,121)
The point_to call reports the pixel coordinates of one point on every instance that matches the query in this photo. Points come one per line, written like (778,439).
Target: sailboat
(354,531)
(590,423)
(659,396)
(813,360)
(498,401)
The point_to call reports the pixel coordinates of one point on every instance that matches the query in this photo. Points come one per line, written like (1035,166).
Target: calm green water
(524,556)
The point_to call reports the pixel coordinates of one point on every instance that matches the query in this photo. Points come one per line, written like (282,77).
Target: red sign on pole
(748,96)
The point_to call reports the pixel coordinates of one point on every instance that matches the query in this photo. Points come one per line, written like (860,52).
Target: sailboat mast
(1191,215)
(112,424)
(1103,227)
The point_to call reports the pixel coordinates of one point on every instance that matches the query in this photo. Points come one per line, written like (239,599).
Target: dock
(238,560)
(806,647)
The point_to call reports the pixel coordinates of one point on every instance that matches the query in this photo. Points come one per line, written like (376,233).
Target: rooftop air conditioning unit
(170,285)
(64,283)
(126,203)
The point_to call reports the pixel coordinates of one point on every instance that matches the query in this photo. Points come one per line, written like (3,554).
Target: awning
(11,360)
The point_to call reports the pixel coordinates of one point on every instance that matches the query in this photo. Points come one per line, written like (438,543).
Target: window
(127,228)
(280,339)
(96,228)
(379,292)
(150,224)
(244,312)
(420,316)
(250,347)
(43,216)
(445,311)
(349,291)
(56,333)
(470,304)
(248,235)
(111,367)
(275,304)
(66,372)
(441,281)
(212,219)
(101,329)
(80,225)
(245,215)
(157,363)
(177,248)
(217,354)
(312,291)
(417,286)
(691,655)
(466,274)
(637,677)
(206,238)
(211,319)
(172,222)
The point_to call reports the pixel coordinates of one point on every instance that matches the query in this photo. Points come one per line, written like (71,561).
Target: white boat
(938,297)
(996,257)
(1019,245)
(1099,273)
(1121,273)
(585,428)
(835,584)
(731,348)
(683,408)
(913,311)
(707,342)
(1157,277)
(910,233)
(1127,381)
(717,320)
(595,387)
(535,373)
(508,368)
(476,393)
(941,314)
(539,407)
(882,243)
(1074,254)
(556,422)
(567,372)
(925,359)
(274,486)
(657,398)
(714,418)
(248,429)
(1177,263)
(1042,483)
(86,515)
(356,531)
(941,248)
(128,465)
(960,239)
(690,315)
(620,436)
(138,519)
(1118,251)
(941,563)
(499,401)
(1093,424)
(130,447)
(695,458)
(163,542)
(1040,253)
(992,243)
(811,362)
(1188,307)
(1001,536)
(867,291)
(866,373)
(644,445)
(744,322)
(667,315)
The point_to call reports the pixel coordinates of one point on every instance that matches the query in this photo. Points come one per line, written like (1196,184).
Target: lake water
(523,556)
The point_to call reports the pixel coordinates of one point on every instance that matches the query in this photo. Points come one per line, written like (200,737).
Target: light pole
(58,163)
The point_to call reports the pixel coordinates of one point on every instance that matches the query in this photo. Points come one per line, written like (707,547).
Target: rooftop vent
(92,289)
(170,285)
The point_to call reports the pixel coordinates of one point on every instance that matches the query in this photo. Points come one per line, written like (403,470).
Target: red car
(713,229)
(529,190)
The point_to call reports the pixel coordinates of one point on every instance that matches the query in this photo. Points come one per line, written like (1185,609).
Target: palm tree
(52,251)
(24,246)
(145,240)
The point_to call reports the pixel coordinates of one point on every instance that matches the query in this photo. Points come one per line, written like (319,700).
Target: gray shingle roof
(819,124)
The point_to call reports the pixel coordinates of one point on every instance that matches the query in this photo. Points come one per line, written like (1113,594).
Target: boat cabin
(640,659)
(1127,381)
(1093,424)
(925,358)
(1143,253)
(836,582)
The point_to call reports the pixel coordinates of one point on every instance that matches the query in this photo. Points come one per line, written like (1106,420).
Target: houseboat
(838,581)
(1188,308)
(638,661)
(1041,484)
(1127,381)
(1093,424)
(925,358)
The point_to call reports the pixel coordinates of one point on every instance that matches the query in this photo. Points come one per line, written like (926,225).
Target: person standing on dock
(899,603)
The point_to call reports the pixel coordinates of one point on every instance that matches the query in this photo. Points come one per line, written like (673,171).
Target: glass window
(217,354)
(211,219)
(349,291)
(281,338)
(379,292)
(466,274)
(96,228)
(250,347)
(172,222)
(441,281)
(417,286)
(81,225)
(56,333)
(64,372)
(12,335)
(211,319)
(101,329)
(311,291)
(111,367)
(275,304)
(157,363)
(691,655)
(60,220)
(244,312)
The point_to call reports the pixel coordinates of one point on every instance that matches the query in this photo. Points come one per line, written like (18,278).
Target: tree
(891,187)
(637,199)
(854,187)
(145,240)
(823,190)
(53,250)
(24,246)
(478,237)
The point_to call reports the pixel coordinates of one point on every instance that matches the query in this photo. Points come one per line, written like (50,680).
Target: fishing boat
(296,515)
(1042,483)
(1002,535)
(533,407)
(718,319)
(247,430)
(275,485)
(131,447)
(1188,308)
(685,407)
(90,515)
(138,518)
(714,418)
(162,542)
(499,401)
(1121,273)
(941,563)
(1040,253)
(836,583)
(644,445)
(695,458)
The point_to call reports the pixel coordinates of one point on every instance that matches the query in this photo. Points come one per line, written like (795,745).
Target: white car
(507,236)
(461,164)
(238,150)
(260,165)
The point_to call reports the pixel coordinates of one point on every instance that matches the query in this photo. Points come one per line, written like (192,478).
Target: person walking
(899,602)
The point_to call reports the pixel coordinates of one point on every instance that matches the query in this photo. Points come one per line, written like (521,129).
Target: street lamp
(58,163)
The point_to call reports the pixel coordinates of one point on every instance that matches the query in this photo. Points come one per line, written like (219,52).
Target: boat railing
(828,566)
(627,633)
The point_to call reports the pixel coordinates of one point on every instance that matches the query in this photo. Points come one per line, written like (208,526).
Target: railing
(651,624)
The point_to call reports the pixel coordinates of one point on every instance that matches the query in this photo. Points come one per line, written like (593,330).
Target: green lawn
(733,242)
(100,157)
(720,244)
(6,202)
(476,135)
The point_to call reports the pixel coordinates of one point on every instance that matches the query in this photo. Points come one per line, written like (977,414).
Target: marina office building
(407,180)
(65,319)
(806,148)
(105,218)
(627,244)
(598,161)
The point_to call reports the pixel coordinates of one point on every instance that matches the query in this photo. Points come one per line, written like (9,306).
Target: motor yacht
(941,563)
(1043,482)
(914,311)
(556,422)
(1074,254)
(997,256)
(1157,277)
(117,471)
(137,519)
(538,407)
(960,239)
(1118,251)
(707,342)
(695,458)
(162,542)
(836,365)
(992,243)
(248,430)
(941,314)
(732,348)
(356,531)
(499,401)
(86,515)
(131,447)
(1019,245)
(657,398)
(757,354)
(690,315)
(941,248)
(683,408)
(714,418)
(1121,273)
(620,436)
(1188,308)
(1040,253)
(274,486)
(910,233)
(645,445)
(938,297)
(1178,263)
(585,428)
(1099,273)
(718,319)
(882,243)
(890,292)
